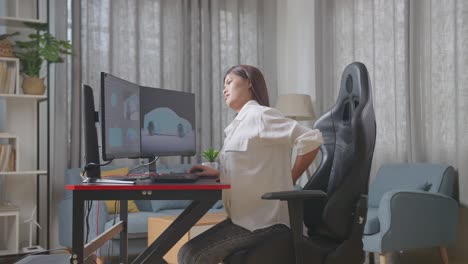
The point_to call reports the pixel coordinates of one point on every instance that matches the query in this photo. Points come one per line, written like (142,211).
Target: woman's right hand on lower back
(201,170)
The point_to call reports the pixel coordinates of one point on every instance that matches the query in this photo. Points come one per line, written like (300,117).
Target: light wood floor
(426,256)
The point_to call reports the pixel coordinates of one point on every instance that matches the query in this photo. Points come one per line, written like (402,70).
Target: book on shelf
(3,69)
(7,78)
(12,84)
(7,158)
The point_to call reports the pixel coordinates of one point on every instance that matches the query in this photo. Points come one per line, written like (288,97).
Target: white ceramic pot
(213,165)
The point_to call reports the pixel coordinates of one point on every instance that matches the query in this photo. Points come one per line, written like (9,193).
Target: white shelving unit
(15,22)
(24,118)
(9,230)
(15,142)
(14,13)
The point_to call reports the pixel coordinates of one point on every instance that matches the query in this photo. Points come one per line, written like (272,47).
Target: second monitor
(145,122)
(167,123)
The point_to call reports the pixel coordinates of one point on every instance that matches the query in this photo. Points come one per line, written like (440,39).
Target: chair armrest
(294,195)
(417,219)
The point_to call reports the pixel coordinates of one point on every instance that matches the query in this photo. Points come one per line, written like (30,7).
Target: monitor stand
(152,166)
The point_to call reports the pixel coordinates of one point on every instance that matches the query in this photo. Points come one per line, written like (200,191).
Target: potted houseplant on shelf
(41,47)
(210,155)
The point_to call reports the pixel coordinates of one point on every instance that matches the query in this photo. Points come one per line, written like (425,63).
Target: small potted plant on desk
(210,155)
(41,47)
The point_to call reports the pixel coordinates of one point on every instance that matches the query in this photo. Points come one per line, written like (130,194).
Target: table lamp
(296,106)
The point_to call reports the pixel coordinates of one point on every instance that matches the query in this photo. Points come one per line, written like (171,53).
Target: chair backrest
(349,132)
(435,178)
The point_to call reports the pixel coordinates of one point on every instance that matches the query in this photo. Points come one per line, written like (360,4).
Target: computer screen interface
(120,118)
(167,122)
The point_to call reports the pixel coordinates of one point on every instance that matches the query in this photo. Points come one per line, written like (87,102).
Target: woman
(255,159)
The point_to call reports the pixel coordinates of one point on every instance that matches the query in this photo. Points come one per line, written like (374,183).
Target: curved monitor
(144,122)
(120,118)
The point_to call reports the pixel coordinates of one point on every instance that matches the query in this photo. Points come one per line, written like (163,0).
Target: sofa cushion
(144,205)
(159,205)
(372,223)
(113,207)
(137,224)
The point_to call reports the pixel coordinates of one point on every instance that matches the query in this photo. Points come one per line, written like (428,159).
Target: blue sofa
(410,207)
(101,220)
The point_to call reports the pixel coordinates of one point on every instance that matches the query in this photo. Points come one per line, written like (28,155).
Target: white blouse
(256,159)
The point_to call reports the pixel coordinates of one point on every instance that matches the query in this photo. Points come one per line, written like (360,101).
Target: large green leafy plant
(41,47)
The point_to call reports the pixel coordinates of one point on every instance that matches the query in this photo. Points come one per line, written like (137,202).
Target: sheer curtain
(181,45)
(416,54)
(375,33)
(439,93)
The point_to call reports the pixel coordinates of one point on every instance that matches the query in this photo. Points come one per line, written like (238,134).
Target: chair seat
(372,223)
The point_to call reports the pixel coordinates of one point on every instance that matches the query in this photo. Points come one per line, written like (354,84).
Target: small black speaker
(91,140)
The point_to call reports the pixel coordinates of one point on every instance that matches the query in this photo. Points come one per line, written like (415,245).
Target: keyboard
(174,178)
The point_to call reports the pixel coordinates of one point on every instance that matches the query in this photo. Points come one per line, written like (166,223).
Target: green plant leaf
(4,36)
(210,154)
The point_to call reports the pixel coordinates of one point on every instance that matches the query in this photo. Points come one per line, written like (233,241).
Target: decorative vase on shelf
(6,48)
(213,165)
(33,85)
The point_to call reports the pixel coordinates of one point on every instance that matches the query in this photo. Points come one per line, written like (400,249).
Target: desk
(204,193)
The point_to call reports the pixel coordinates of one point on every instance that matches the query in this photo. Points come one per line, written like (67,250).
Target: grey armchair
(411,206)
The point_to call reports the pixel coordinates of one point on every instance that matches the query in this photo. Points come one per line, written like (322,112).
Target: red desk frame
(204,194)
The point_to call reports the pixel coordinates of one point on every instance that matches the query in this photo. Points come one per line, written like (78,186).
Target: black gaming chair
(333,204)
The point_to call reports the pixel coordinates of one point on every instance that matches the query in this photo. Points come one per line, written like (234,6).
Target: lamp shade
(296,106)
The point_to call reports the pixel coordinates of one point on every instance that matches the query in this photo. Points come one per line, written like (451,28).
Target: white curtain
(375,33)
(439,93)
(416,54)
(418,64)
(184,45)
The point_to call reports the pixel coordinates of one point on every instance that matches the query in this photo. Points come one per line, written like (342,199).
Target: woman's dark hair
(255,76)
